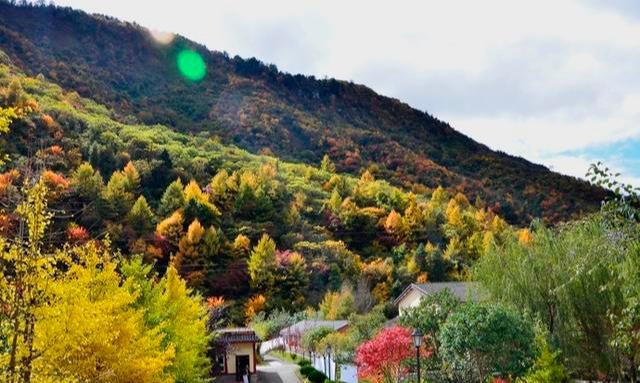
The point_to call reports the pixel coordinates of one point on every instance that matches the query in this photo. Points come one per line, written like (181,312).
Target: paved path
(274,370)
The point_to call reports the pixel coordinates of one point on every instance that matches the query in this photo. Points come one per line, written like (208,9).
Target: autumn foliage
(55,181)
(55,150)
(77,233)
(6,180)
(215,302)
(255,305)
(79,312)
(384,357)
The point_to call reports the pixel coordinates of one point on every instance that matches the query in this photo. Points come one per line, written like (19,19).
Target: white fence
(271,344)
(348,372)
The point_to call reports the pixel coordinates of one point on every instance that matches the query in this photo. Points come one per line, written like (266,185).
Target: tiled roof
(238,335)
(462,290)
(306,325)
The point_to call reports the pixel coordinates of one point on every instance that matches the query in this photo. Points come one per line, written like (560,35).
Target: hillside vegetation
(251,229)
(258,108)
(142,210)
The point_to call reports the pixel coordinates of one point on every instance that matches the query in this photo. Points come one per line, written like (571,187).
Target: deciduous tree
(383,358)
(90,326)
(262,264)
(26,275)
(171,228)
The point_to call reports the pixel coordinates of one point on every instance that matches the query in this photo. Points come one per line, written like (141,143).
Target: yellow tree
(254,305)
(394,224)
(262,264)
(198,204)
(525,237)
(189,260)
(26,273)
(171,228)
(220,188)
(335,201)
(133,178)
(6,116)
(91,332)
(338,305)
(193,191)
(241,246)
(184,324)
(413,215)
(81,323)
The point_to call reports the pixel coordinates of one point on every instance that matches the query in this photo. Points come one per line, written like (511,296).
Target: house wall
(412,299)
(240,349)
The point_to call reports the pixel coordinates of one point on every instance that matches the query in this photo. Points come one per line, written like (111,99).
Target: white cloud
(578,165)
(535,79)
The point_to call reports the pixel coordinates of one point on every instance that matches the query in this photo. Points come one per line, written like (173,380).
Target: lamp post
(417,341)
(329,357)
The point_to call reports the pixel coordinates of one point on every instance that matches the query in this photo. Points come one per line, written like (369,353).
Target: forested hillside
(253,230)
(258,108)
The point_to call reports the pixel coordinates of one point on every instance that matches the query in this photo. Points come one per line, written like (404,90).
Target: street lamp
(417,341)
(329,356)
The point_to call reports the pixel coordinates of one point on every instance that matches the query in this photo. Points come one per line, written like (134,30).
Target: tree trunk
(29,335)
(14,341)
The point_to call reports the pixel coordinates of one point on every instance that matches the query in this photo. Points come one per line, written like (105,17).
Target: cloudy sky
(554,81)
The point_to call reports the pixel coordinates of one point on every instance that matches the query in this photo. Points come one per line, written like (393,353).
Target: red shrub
(77,233)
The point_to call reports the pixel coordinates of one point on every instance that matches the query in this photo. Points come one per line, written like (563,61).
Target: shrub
(548,367)
(316,376)
(479,340)
(306,370)
(304,362)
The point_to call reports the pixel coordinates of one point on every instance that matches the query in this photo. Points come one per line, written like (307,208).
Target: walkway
(274,370)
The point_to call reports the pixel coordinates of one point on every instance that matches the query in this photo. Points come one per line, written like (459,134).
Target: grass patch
(293,358)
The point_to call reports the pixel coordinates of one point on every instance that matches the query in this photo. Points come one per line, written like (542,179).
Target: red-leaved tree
(383,358)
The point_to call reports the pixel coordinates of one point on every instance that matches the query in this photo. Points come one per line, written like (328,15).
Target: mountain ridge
(295,117)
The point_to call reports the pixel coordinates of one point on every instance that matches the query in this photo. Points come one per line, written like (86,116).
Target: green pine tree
(327,165)
(87,182)
(262,264)
(141,217)
(172,199)
(117,197)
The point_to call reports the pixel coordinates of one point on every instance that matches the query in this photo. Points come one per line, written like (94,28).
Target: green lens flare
(191,65)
